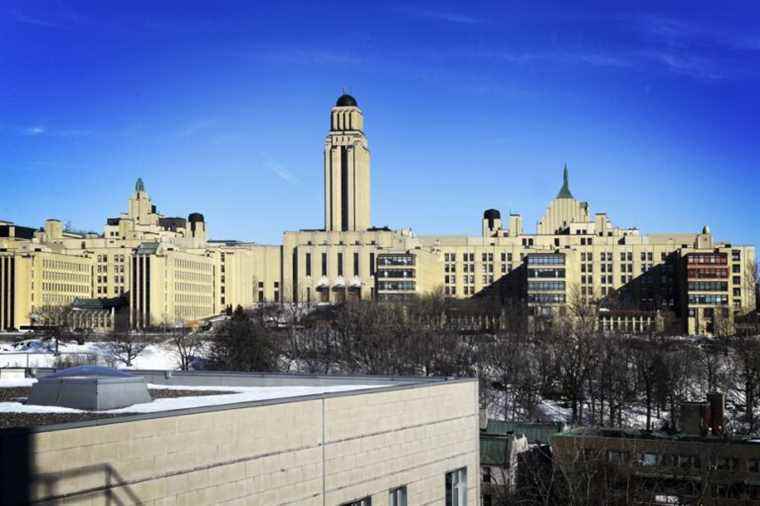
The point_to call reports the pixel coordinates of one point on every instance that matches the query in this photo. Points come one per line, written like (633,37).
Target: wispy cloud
(20,17)
(301,56)
(280,171)
(696,50)
(683,34)
(63,16)
(42,130)
(595,59)
(35,130)
(450,17)
(687,65)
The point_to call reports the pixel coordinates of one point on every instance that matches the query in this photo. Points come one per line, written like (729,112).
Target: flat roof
(226,390)
(620,433)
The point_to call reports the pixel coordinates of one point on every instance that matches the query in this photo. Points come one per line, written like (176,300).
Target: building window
(616,457)
(371,264)
(356,264)
(340,264)
(456,487)
(308,264)
(397,496)
(367,501)
(324,264)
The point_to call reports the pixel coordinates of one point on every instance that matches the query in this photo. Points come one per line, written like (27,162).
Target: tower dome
(346,100)
(492,214)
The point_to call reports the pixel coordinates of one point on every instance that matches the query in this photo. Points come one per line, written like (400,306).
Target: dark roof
(346,100)
(89,370)
(172,223)
(19,231)
(195,217)
(492,214)
(494,449)
(535,432)
(99,303)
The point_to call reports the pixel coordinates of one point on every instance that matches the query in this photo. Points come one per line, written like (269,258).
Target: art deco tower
(347,191)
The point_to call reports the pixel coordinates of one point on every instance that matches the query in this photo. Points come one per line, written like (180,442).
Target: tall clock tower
(347,178)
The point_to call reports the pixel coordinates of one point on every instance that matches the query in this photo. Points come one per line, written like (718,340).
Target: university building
(171,272)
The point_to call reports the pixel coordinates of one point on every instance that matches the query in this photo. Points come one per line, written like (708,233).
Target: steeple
(139,185)
(564,192)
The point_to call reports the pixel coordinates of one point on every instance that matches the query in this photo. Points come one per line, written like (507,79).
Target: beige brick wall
(270,454)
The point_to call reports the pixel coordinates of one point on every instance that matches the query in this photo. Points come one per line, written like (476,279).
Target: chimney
(483,419)
(717,402)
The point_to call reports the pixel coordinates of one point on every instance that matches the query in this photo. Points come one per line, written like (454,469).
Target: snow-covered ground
(37,353)
(549,410)
(237,394)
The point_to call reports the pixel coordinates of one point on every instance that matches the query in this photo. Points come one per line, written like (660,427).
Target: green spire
(139,185)
(564,193)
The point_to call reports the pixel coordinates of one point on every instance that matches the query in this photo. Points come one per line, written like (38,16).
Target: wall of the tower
(347,172)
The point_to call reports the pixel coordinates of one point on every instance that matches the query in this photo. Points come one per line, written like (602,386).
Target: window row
(546,259)
(396,273)
(707,258)
(65,276)
(396,285)
(65,287)
(546,298)
(537,286)
(707,273)
(65,266)
(708,286)
(384,260)
(708,299)
(546,273)
(395,260)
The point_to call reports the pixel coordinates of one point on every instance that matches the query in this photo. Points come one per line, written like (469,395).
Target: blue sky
(222,108)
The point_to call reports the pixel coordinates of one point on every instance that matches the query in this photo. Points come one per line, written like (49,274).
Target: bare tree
(125,347)
(752,277)
(56,321)
(312,347)
(188,345)
(747,353)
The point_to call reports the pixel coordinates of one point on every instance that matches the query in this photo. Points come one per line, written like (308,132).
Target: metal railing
(42,359)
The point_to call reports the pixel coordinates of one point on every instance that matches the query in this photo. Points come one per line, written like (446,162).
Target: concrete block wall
(266,454)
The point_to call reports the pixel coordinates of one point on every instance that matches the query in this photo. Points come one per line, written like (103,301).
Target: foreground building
(173,273)
(352,441)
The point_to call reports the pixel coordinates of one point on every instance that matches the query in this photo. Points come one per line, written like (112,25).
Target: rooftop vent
(90,388)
